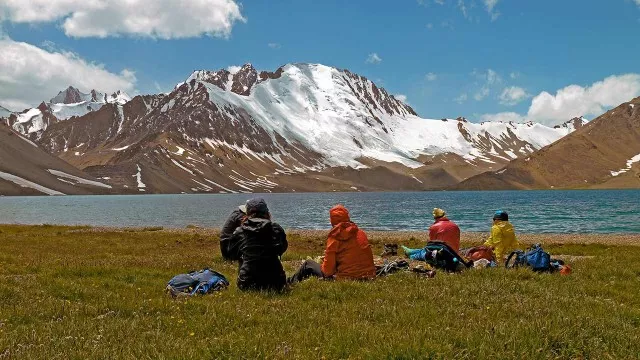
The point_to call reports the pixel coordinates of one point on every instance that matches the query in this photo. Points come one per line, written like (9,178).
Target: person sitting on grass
(443,230)
(260,245)
(503,236)
(348,254)
(228,249)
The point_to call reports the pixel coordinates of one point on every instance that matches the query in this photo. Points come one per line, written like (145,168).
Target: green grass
(73,293)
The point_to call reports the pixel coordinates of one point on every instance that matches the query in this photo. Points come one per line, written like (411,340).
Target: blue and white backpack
(197,283)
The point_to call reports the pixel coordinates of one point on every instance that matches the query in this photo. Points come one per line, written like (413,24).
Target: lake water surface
(574,211)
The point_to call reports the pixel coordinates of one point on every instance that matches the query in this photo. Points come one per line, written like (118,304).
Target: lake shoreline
(377,236)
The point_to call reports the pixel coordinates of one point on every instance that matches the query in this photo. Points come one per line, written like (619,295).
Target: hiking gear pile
(441,256)
(478,252)
(537,260)
(197,283)
(390,267)
(390,250)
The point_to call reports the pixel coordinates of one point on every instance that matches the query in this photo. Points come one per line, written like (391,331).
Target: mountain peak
(244,79)
(573,124)
(70,95)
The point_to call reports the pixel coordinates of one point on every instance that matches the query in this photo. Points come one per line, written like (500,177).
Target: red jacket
(446,231)
(348,254)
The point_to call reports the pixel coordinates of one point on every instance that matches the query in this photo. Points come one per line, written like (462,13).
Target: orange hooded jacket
(348,254)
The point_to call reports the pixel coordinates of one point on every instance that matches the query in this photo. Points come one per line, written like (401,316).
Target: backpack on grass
(197,283)
(442,256)
(535,258)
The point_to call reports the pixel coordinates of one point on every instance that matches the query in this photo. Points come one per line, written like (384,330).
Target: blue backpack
(197,283)
(534,258)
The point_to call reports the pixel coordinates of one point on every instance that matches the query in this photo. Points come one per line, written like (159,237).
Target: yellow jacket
(502,239)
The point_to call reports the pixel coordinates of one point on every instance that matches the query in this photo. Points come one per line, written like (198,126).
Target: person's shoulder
(237,212)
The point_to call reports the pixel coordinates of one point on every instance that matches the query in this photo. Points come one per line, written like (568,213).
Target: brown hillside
(595,156)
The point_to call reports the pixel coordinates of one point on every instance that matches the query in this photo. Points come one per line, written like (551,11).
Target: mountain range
(605,153)
(303,127)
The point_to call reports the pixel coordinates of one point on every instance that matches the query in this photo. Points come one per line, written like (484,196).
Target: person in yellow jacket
(503,236)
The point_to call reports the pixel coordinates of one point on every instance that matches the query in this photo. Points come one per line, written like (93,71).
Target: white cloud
(462,98)
(164,19)
(481,94)
(515,75)
(402,98)
(431,76)
(576,100)
(493,77)
(490,77)
(513,95)
(503,117)
(30,75)
(430,25)
(463,8)
(274,45)
(373,58)
(490,5)
(637,2)
(447,24)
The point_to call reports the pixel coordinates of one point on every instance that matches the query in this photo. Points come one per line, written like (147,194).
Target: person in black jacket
(260,245)
(228,248)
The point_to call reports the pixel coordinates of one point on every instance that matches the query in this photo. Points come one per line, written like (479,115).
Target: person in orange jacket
(347,255)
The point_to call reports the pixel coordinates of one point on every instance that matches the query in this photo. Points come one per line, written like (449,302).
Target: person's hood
(339,214)
(502,224)
(255,224)
(343,228)
(344,231)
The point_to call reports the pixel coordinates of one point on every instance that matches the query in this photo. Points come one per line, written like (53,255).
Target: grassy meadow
(85,293)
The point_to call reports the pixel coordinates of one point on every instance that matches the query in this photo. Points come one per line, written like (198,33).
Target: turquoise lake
(556,211)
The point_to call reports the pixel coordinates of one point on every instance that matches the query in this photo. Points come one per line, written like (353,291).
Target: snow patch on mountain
(630,163)
(138,176)
(28,184)
(78,180)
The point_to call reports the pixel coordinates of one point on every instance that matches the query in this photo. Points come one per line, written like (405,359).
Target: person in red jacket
(348,254)
(443,230)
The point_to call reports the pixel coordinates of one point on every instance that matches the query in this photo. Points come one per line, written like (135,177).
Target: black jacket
(260,245)
(228,248)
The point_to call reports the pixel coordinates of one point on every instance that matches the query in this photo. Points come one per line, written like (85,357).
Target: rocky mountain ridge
(303,127)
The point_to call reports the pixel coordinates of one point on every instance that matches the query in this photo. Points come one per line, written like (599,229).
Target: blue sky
(483,59)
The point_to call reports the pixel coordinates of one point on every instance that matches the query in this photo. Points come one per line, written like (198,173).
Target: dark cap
(501,215)
(257,206)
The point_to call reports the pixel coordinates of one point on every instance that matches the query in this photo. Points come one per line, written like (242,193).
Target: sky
(545,61)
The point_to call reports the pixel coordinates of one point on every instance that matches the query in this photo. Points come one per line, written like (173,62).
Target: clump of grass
(91,294)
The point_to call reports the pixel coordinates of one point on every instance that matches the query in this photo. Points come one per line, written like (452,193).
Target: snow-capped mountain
(304,127)
(67,104)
